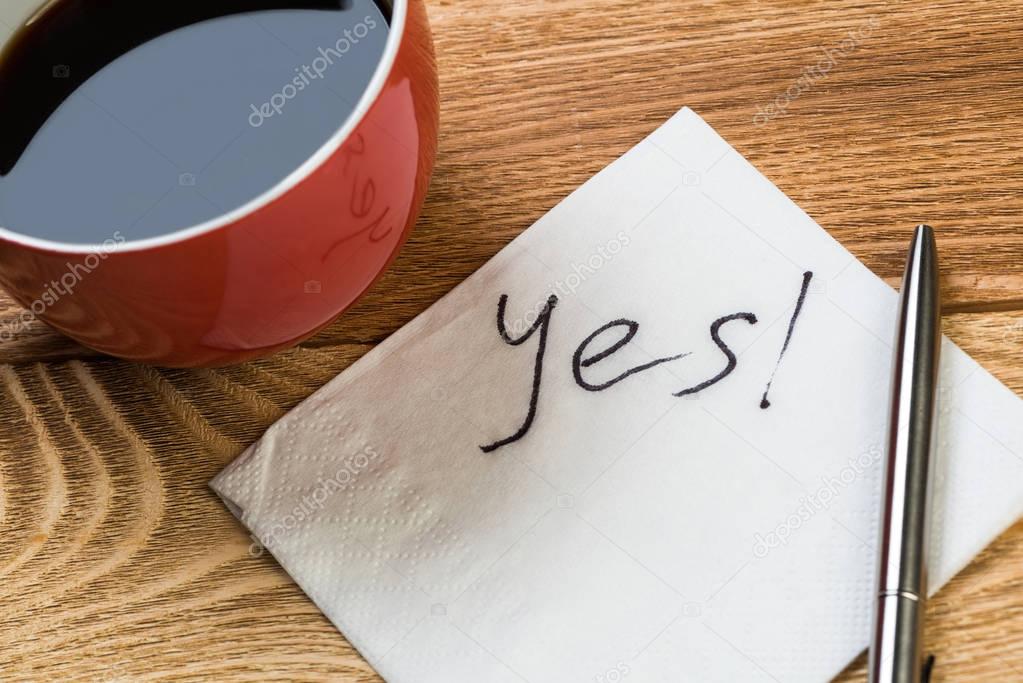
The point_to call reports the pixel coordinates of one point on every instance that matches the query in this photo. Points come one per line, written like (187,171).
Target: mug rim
(370,94)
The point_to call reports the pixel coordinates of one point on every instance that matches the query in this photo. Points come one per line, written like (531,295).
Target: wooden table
(117,562)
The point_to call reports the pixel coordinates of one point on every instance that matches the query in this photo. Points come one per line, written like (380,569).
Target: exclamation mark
(807,276)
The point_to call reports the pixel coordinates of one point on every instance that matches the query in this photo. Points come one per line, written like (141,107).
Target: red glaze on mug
(273,272)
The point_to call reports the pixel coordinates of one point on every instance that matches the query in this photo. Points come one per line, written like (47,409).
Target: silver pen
(896,642)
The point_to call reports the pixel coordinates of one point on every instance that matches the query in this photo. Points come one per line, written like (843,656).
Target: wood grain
(118,564)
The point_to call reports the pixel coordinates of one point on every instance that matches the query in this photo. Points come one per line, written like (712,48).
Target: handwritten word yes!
(585,358)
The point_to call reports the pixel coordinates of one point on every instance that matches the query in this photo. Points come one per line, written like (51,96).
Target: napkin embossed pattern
(643,443)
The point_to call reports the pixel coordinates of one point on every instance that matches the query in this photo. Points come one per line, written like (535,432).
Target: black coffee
(144,118)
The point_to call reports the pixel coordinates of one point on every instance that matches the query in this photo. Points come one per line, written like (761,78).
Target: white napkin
(628,534)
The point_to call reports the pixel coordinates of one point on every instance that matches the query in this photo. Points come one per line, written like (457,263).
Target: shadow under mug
(271,273)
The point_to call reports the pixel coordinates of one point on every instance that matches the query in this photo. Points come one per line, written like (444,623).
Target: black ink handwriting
(807,276)
(715,334)
(578,362)
(542,323)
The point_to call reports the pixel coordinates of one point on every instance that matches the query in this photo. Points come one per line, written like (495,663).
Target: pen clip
(925,675)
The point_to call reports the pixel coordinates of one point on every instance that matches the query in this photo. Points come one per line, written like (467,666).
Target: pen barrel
(895,655)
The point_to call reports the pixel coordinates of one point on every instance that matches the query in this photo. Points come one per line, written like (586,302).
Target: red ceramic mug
(271,273)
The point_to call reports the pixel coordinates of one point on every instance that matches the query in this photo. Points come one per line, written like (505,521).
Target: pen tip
(923,239)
